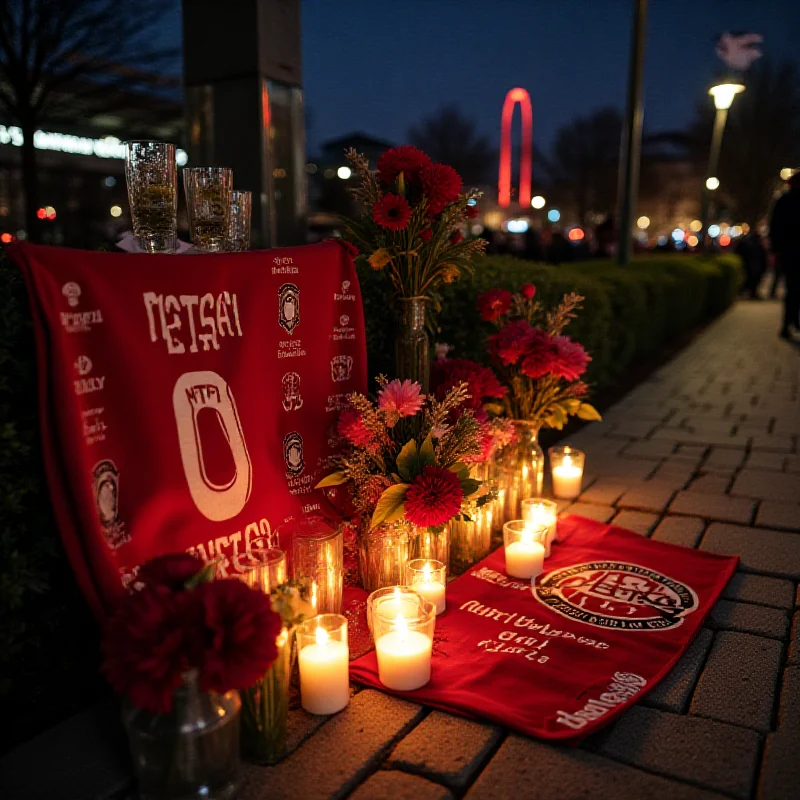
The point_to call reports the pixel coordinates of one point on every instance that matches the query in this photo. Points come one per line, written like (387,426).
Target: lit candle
(431,589)
(404,657)
(324,677)
(397,603)
(567,479)
(525,558)
(544,513)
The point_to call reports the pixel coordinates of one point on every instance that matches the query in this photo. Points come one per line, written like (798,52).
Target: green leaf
(460,469)
(389,503)
(427,455)
(204,576)
(470,486)
(408,461)
(589,412)
(334,479)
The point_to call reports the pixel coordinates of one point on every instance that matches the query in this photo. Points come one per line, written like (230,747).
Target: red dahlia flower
(493,304)
(441,185)
(406,159)
(434,497)
(351,426)
(529,291)
(149,643)
(172,571)
(392,212)
(240,631)
(481,380)
(571,360)
(513,341)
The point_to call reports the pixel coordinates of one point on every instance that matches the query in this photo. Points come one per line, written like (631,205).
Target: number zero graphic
(205,389)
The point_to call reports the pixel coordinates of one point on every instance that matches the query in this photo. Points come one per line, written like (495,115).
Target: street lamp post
(723,94)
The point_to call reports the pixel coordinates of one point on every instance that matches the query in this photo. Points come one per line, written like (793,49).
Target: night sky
(380,65)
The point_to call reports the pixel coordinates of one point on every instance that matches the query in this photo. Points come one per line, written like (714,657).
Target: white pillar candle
(397,603)
(404,657)
(567,479)
(324,675)
(431,589)
(524,559)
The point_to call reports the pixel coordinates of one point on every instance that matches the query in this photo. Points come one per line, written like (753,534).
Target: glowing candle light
(323,659)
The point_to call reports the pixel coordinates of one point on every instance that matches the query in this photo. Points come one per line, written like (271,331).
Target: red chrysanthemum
(513,341)
(482,382)
(471,212)
(149,643)
(351,426)
(240,630)
(493,304)
(406,159)
(426,234)
(441,185)
(571,360)
(529,291)
(433,498)
(392,212)
(172,571)
(456,237)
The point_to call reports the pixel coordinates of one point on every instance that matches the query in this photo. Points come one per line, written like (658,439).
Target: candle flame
(527,535)
(322,636)
(397,595)
(567,462)
(426,573)
(282,637)
(400,625)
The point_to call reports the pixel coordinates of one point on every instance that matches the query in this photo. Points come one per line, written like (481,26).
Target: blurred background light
(692,241)
(678,235)
(517,225)
(115,211)
(344,173)
(712,183)
(538,201)
(713,231)
(576,234)
(695,225)
(554,215)
(724,240)
(643,222)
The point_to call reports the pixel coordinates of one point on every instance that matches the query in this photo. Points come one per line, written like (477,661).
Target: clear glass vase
(430,543)
(191,752)
(520,470)
(412,346)
(383,553)
(265,708)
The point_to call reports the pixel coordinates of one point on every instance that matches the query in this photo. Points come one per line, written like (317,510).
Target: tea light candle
(524,549)
(567,472)
(404,657)
(397,603)
(427,577)
(545,513)
(324,676)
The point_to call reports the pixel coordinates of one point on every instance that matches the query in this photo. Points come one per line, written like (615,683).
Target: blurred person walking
(751,250)
(784,236)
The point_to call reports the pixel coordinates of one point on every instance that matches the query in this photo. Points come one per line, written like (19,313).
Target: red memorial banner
(188,403)
(604,624)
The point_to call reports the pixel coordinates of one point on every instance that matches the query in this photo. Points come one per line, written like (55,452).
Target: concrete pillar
(244,106)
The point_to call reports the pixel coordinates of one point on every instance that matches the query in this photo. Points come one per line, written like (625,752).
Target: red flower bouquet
(540,367)
(180,621)
(412,215)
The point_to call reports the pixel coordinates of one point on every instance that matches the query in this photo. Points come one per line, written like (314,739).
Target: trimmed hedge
(629,312)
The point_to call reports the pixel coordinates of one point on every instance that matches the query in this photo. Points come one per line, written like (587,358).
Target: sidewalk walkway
(703,454)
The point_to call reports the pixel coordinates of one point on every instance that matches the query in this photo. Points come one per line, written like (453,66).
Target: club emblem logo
(72,292)
(83,365)
(105,487)
(293,453)
(292,399)
(344,320)
(341,367)
(616,594)
(345,286)
(289,307)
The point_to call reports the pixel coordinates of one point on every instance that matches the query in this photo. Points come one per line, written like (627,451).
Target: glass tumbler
(208,201)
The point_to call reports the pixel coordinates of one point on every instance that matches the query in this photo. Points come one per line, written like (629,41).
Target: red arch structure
(522,97)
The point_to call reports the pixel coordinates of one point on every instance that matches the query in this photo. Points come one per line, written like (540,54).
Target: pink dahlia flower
(571,360)
(400,399)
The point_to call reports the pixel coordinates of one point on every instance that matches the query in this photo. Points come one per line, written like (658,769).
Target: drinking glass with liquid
(208,201)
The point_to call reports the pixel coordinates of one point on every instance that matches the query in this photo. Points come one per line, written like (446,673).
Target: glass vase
(191,752)
(265,708)
(383,553)
(412,347)
(520,470)
(429,543)
(470,540)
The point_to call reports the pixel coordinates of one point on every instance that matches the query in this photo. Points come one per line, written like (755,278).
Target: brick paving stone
(739,681)
(679,530)
(780,771)
(772,443)
(391,785)
(758,589)
(638,428)
(647,496)
(673,693)
(759,549)
(748,618)
(605,491)
(709,484)
(789,709)
(638,521)
(627,469)
(794,646)
(682,436)
(765,461)
(523,768)
(646,449)
(347,748)
(792,465)
(767,485)
(592,511)
(447,749)
(710,754)
(712,506)
(772,514)
(704,426)
(727,459)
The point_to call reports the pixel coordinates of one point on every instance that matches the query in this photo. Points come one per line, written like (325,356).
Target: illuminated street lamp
(538,201)
(723,94)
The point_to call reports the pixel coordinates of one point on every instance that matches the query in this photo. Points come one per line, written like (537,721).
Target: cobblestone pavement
(703,454)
